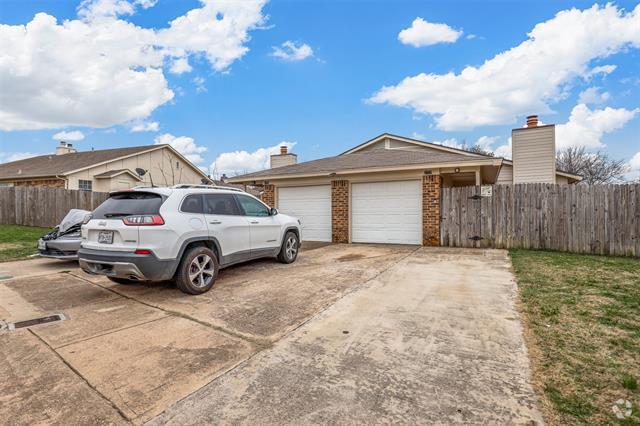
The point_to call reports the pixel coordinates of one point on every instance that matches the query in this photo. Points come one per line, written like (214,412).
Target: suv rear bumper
(126,265)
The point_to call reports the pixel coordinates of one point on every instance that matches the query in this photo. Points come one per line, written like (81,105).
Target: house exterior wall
(534,154)
(431,210)
(505,177)
(161,166)
(269,195)
(340,211)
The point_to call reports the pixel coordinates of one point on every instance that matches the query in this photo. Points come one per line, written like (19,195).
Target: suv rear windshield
(129,203)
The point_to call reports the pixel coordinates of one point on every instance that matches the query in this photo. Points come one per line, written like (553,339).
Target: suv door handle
(215,222)
(254,222)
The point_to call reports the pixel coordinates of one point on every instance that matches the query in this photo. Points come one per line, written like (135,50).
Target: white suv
(185,233)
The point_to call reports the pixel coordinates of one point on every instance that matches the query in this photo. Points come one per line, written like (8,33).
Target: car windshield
(129,203)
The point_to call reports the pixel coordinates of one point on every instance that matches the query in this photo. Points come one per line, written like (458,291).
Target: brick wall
(47,183)
(340,211)
(431,210)
(269,195)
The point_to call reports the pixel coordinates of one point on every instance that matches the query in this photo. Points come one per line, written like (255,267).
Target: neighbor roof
(61,165)
(364,160)
(52,165)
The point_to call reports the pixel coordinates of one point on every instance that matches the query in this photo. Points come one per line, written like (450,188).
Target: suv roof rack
(188,185)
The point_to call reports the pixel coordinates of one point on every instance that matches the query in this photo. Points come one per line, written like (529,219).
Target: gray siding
(534,153)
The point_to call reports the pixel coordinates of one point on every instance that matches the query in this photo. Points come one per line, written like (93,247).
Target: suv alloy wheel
(198,271)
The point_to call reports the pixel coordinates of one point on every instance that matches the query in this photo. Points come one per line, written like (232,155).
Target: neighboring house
(103,170)
(387,190)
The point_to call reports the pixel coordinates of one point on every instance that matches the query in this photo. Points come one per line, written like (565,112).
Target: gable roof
(372,161)
(416,142)
(61,165)
(113,173)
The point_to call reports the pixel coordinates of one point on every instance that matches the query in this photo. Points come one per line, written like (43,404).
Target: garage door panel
(387,212)
(310,204)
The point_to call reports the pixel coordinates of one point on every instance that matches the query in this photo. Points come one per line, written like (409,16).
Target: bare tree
(478,150)
(595,168)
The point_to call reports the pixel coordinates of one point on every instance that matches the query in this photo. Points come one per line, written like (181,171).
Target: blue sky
(240,97)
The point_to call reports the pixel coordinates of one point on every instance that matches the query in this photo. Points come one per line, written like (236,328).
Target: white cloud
(634,168)
(586,127)
(240,162)
(451,143)
(96,9)
(180,66)
(73,136)
(634,163)
(145,126)
(592,95)
(485,142)
(184,145)
(422,33)
(524,79)
(601,69)
(8,157)
(418,136)
(504,150)
(100,70)
(292,51)
(199,83)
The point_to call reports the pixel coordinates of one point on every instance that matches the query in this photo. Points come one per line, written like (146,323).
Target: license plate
(105,237)
(42,245)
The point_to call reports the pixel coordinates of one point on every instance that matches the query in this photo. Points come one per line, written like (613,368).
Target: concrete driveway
(348,334)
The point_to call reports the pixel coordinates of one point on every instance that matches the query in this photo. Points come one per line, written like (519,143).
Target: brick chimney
(532,121)
(65,148)
(285,158)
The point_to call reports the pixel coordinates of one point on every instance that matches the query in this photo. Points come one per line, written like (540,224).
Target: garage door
(386,212)
(310,204)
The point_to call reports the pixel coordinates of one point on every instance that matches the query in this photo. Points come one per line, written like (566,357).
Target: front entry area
(386,212)
(310,204)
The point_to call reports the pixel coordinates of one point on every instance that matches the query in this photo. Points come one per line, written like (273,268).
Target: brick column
(269,195)
(340,211)
(431,210)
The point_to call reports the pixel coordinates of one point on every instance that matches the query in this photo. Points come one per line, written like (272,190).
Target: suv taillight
(143,220)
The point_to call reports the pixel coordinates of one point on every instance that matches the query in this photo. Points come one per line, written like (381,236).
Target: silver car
(64,241)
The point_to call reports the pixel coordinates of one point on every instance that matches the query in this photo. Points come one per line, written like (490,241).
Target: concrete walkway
(434,339)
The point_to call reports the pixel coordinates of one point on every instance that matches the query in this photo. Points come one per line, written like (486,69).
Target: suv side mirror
(273,211)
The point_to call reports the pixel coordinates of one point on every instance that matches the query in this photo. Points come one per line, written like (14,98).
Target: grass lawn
(582,315)
(17,241)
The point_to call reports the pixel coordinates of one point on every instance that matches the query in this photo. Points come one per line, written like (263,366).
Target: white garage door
(310,204)
(386,212)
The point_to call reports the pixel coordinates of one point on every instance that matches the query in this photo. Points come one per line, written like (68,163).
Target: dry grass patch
(582,315)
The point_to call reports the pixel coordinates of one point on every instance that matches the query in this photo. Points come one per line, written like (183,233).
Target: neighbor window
(85,185)
(253,207)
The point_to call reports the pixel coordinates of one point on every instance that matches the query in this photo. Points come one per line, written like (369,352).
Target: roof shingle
(52,165)
(372,159)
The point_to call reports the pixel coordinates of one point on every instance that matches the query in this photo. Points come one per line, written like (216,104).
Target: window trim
(80,181)
(237,196)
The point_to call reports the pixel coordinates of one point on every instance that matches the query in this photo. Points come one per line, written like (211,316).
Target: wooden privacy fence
(601,219)
(38,206)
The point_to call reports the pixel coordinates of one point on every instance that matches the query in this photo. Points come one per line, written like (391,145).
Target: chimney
(533,150)
(65,148)
(285,158)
